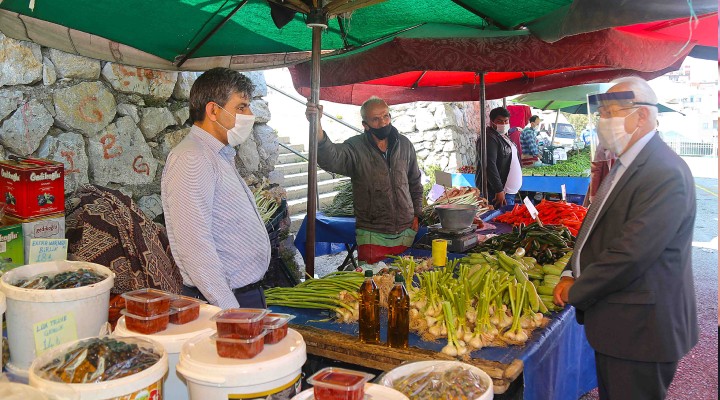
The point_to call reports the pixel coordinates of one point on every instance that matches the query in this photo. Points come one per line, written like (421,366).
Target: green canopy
(154,33)
(561,98)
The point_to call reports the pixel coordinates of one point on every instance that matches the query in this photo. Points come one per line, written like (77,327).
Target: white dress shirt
(216,234)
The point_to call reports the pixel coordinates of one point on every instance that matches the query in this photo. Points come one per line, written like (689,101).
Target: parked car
(565,136)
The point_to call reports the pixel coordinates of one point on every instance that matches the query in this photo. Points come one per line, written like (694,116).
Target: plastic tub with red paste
(277,326)
(240,323)
(339,384)
(184,309)
(147,302)
(146,325)
(235,347)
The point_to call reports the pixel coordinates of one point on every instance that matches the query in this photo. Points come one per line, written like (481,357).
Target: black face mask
(381,133)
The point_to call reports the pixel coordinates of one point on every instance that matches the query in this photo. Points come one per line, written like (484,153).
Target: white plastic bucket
(18,391)
(275,371)
(172,339)
(28,309)
(413,367)
(146,384)
(2,311)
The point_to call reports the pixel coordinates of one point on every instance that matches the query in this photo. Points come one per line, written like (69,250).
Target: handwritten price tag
(531,207)
(44,250)
(54,332)
(564,193)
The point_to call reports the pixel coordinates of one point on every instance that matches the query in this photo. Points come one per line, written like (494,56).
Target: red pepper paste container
(234,347)
(146,325)
(277,326)
(32,187)
(240,323)
(184,309)
(147,302)
(339,384)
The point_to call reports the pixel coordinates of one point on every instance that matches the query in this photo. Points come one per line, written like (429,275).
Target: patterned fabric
(529,142)
(217,236)
(106,227)
(374,246)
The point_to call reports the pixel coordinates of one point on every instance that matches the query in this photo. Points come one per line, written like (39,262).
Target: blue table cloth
(545,184)
(332,234)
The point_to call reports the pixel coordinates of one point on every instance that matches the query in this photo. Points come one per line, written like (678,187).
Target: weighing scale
(459,241)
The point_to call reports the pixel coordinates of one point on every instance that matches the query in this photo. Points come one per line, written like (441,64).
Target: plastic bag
(99,360)
(440,382)
(63,280)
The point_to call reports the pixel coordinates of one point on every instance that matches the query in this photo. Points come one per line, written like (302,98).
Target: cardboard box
(50,227)
(32,187)
(12,253)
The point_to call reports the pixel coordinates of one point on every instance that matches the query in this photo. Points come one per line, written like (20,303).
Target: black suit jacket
(635,291)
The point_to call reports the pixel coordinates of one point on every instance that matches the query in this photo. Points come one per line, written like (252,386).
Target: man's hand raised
(310,112)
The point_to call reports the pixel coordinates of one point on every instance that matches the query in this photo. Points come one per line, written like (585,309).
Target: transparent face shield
(607,105)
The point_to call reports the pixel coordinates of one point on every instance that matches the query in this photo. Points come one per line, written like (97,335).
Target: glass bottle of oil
(369,318)
(398,314)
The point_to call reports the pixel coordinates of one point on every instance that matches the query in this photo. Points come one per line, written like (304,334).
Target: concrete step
(325,186)
(292,168)
(297,147)
(300,205)
(301,178)
(284,139)
(290,158)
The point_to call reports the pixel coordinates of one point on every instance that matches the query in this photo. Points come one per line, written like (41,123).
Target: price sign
(564,193)
(531,208)
(54,332)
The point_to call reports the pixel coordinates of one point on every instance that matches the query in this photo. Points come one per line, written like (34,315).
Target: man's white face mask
(612,134)
(239,133)
(502,129)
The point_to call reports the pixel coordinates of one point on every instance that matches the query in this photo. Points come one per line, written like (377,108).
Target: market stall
(556,361)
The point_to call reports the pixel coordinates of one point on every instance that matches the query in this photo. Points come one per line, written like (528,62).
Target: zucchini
(550,269)
(545,290)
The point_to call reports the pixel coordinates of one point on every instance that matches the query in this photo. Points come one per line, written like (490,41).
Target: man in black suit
(630,277)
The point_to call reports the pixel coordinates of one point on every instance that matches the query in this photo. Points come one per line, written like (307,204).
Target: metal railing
(317,192)
(694,149)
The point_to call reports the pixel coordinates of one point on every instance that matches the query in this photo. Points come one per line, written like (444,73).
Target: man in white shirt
(630,277)
(504,174)
(217,236)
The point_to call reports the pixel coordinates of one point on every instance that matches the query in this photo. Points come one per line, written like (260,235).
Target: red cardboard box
(32,187)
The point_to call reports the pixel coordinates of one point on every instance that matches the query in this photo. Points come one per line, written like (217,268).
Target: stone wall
(110,124)
(444,134)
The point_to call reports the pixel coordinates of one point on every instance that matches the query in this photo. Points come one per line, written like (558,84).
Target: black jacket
(499,157)
(387,194)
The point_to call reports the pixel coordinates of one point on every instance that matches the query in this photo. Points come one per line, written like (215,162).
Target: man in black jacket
(503,166)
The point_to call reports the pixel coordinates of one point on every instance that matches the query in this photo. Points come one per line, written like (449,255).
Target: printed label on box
(11,247)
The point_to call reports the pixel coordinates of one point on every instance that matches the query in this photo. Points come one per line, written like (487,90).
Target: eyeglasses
(608,111)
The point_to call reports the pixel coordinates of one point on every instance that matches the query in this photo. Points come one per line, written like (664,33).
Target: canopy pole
(317,20)
(483,140)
